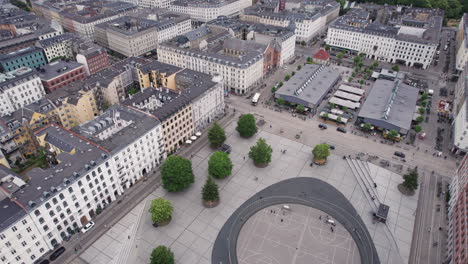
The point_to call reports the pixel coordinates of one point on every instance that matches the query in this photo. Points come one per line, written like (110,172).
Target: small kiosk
(382,213)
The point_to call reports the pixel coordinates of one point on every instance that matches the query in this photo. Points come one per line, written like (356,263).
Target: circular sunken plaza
(287,223)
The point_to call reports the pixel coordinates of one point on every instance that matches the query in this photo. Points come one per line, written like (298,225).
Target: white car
(285,67)
(87,227)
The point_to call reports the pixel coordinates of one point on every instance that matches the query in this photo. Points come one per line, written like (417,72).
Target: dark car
(225,148)
(341,129)
(399,154)
(57,253)
(322,126)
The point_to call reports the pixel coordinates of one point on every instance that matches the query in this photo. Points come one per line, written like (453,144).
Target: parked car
(225,148)
(341,129)
(399,154)
(322,126)
(57,253)
(87,227)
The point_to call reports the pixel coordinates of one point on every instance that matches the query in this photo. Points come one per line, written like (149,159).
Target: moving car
(399,154)
(57,253)
(341,129)
(225,148)
(322,126)
(87,227)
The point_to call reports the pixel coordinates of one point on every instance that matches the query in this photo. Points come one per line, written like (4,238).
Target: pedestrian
(128,237)
(281,220)
(331,228)
(375,185)
(270,126)
(373,198)
(320,217)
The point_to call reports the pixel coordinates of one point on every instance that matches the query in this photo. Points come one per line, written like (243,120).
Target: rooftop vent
(87,167)
(76,174)
(46,194)
(66,181)
(31,203)
(93,163)
(104,156)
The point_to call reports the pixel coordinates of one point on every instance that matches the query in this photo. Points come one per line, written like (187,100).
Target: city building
(81,18)
(58,47)
(94,58)
(282,39)
(206,50)
(75,103)
(308,23)
(58,74)
(32,57)
(390,105)
(395,34)
(309,86)
(206,10)
(460,108)
(462,43)
(321,57)
(457,247)
(19,88)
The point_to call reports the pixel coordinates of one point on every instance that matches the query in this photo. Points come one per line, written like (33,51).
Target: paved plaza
(300,235)
(193,228)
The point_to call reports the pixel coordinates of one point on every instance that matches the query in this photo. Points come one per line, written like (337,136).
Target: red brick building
(321,57)
(94,59)
(61,73)
(458,216)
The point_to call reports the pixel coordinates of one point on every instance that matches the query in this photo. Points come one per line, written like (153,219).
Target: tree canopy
(210,190)
(161,210)
(321,151)
(216,135)
(219,165)
(246,125)
(410,180)
(177,174)
(162,255)
(261,152)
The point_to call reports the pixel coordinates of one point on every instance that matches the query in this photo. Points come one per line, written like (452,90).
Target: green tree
(396,68)
(417,128)
(327,47)
(299,67)
(303,43)
(423,103)
(300,108)
(280,84)
(162,255)
(246,125)
(367,127)
(216,135)
(274,89)
(375,65)
(340,56)
(261,152)
(410,180)
(219,165)
(161,210)
(292,73)
(332,105)
(393,134)
(338,119)
(421,110)
(350,79)
(210,190)
(287,77)
(280,101)
(325,116)
(419,119)
(424,97)
(309,59)
(362,82)
(177,174)
(357,60)
(321,152)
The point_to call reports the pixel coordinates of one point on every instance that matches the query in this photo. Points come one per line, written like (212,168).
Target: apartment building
(204,50)
(148,3)
(204,10)
(460,108)
(81,17)
(457,248)
(32,57)
(58,47)
(19,88)
(307,23)
(94,58)
(462,43)
(59,74)
(402,35)
(282,39)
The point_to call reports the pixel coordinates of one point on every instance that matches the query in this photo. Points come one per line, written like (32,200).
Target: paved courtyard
(193,228)
(300,235)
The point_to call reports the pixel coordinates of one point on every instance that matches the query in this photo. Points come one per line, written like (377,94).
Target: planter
(260,165)
(320,162)
(210,204)
(164,223)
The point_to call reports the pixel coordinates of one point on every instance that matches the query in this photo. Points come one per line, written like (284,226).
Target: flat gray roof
(54,69)
(316,80)
(391,101)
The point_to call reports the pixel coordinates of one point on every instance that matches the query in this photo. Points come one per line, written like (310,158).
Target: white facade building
(462,43)
(58,46)
(409,43)
(204,11)
(19,88)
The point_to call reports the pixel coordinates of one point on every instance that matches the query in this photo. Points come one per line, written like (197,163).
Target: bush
(421,110)
(246,125)
(393,134)
(261,152)
(177,174)
(162,255)
(417,128)
(216,135)
(287,77)
(210,190)
(219,165)
(280,84)
(419,119)
(161,210)
(321,151)
(396,68)
(292,73)
(350,79)
(299,67)
(274,89)
(300,108)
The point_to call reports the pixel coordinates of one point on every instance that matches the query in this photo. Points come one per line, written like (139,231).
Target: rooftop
(129,25)
(19,53)
(310,84)
(391,101)
(57,39)
(321,55)
(53,70)
(202,3)
(13,78)
(15,119)
(63,139)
